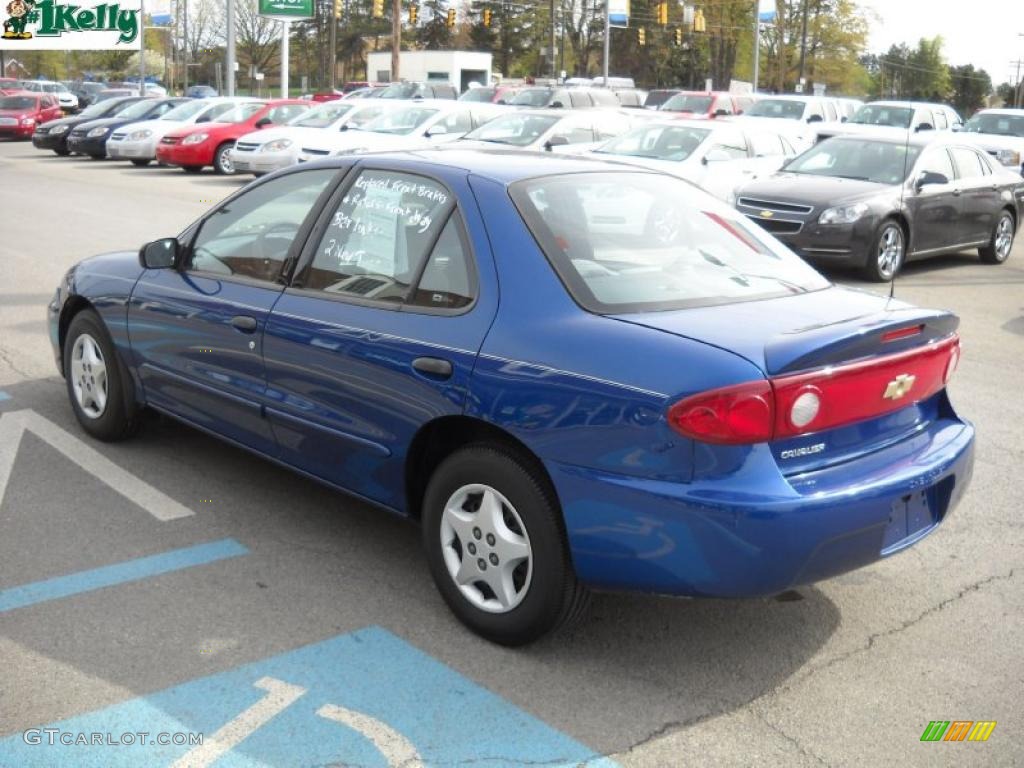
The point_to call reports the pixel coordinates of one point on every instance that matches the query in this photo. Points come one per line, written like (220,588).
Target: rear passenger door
(980,194)
(379,331)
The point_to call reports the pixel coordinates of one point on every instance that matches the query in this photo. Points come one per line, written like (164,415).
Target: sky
(982,32)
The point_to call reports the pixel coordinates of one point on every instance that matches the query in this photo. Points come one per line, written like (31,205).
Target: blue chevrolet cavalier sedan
(575,374)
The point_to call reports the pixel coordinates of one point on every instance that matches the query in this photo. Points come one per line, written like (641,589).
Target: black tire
(995,252)
(221,162)
(140,163)
(553,596)
(191,168)
(119,419)
(97,157)
(62,152)
(873,269)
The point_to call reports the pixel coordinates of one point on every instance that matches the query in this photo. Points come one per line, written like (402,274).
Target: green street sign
(292,9)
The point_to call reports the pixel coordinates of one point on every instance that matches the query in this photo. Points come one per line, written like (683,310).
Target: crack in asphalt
(7,360)
(791,739)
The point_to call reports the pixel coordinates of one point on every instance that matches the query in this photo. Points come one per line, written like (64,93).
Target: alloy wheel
(486,548)
(89,376)
(1004,238)
(890,250)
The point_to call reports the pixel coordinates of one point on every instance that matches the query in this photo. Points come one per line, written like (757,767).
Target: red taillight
(787,406)
(902,333)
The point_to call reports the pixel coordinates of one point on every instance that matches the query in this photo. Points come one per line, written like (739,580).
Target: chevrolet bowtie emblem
(899,386)
(766,214)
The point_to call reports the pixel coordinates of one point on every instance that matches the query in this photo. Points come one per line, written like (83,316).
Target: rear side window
(830,111)
(969,163)
(602,98)
(941,123)
(731,143)
(379,237)
(766,145)
(635,242)
(447,279)
(580,99)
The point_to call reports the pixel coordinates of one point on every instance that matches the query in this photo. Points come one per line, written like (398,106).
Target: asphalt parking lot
(174,585)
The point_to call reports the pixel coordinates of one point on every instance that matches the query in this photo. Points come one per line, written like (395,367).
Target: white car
(799,116)
(264,151)
(551,130)
(715,155)
(420,124)
(893,117)
(65,98)
(137,141)
(1000,132)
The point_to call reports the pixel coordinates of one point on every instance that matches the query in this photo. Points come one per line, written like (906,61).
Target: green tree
(509,38)
(433,33)
(971,88)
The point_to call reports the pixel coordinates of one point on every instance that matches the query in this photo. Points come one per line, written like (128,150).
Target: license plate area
(911,517)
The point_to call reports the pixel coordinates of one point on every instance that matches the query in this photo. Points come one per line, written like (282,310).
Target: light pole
(757,42)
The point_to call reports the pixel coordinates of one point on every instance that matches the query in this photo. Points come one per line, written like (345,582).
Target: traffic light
(450,21)
(641,36)
(663,13)
(487,17)
(679,35)
(414,14)
(378,9)
(700,24)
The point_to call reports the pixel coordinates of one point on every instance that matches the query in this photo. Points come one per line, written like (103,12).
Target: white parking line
(397,750)
(15,423)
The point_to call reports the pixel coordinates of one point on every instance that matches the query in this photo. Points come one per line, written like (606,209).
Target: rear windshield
(685,102)
(781,108)
(639,242)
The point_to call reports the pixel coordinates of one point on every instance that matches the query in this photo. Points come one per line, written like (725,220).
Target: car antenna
(903,191)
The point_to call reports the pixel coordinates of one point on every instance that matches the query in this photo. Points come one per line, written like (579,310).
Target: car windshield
(516,130)
(883,162)
(400,91)
(241,113)
(1001,125)
(781,108)
(95,110)
(659,142)
(683,102)
(185,111)
(17,102)
(478,94)
(137,109)
(879,114)
(644,242)
(402,122)
(322,116)
(532,97)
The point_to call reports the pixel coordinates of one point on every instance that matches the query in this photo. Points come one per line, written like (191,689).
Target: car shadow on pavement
(323,564)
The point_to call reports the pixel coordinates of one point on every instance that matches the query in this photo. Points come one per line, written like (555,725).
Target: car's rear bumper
(729,538)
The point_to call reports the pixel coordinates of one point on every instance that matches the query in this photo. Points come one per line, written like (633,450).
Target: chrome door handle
(244,323)
(433,366)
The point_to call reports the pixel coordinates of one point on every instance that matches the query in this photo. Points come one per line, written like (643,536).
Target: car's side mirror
(344,127)
(556,141)
(925,127)
(721,112)
(815,119)
(263,122)
(560,105)
(159,254)
(844,119)
(716,156)
(956,128)
(930,177)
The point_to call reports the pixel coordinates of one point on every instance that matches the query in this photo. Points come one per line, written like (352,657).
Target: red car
(707,104)
(204,144)
(21,111)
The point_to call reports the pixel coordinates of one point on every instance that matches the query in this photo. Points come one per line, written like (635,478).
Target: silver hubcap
(1004,237)
(89,376)
(890,251)
(486,548)
(225,161)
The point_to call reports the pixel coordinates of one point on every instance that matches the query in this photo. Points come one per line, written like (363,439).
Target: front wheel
(96,382)
(887,253)
(222,162)
(494,541)
(1001,243)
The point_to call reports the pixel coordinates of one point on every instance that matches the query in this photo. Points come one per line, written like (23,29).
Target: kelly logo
(958,730)
(54,19)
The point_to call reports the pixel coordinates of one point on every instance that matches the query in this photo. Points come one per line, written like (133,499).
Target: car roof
(1018,112)
(903,136)
(910,104)
(502,166)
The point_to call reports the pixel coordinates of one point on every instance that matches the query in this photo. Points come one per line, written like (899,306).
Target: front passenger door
(937,208)
(197,331)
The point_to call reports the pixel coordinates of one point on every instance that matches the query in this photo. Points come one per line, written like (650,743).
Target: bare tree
(205,27)
(258,36)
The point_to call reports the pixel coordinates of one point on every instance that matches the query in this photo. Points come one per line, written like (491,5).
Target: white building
(460,68)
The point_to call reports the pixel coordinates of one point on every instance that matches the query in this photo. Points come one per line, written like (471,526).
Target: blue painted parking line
(367,699)
(4,396)
(119,573)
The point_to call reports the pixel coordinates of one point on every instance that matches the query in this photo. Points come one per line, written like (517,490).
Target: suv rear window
(635,242)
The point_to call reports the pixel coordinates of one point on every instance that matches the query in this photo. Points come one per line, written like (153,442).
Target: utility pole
(1017,89)
(333,79)
(230,74)
(142,52)
(184,34)
(803,43)
(396,39)
(551,51)
(757,42)
(607,38)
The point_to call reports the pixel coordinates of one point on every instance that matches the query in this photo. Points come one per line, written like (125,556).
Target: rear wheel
(140,163)
(1001,243)
(222,162)
(96,382)
(494,542)
(887,254)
